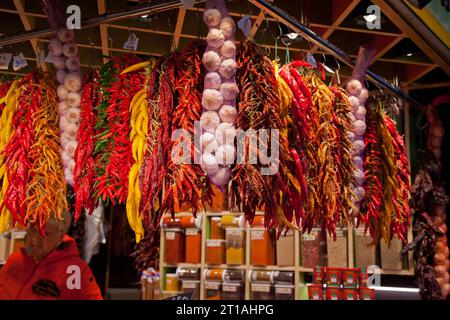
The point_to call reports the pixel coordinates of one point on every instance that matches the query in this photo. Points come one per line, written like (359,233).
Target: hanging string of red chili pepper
(46,189)
(258,108)
(161,104)
(84,171)
(186,183)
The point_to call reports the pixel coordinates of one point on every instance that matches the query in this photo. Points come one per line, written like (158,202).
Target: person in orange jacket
(48,268)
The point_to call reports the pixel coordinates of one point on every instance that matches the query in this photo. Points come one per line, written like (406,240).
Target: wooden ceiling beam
(421,74)
(338,17)
(179,27)
(256,24)
(28,25)
(101,7)
(411,33)
(386,49)
(420,86)
(28,14)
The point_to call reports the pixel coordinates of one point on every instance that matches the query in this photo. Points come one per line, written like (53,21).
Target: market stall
(249,157)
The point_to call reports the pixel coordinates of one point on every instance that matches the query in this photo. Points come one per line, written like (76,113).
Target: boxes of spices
(262,291)
(284,292)
(217,232)
(349,294)
(333,293)
(172,282)
(213,290)
(364,253)
(174,246)
(232,291)
(215,251)
(193,286)
(235,238)
(319,275)
(315,292)
(337,249)
(313,249)
(366,293)
(350,277)
(193,245)
(262,247)
(333,276)
(285,249)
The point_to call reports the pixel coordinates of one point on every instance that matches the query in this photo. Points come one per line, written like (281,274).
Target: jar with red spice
(193,245)
(215,251)
(217,232)
(174,252)
(262,244)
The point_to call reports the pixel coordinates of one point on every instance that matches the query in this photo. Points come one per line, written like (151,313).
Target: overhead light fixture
(370,17)
(144,16)
(409,54)
(292,35)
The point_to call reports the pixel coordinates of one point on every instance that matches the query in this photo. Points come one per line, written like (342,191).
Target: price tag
(170,235)
(191,232)
(283,290)
(19,62)
(260,287)
(245,24)
(212,286)
(132,42)
(311,60)
(228,288)
(189,285)
(257,235)
(5,59)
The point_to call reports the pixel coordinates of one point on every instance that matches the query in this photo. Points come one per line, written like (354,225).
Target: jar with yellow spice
(235,238)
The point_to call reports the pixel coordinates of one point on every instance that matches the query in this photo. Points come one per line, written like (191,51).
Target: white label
(232,232)
(350,280)
(214,244)
(311,60)
(19,62)
(132,42)
(334,297)
(189,285)
(170,235)
(257,235)
(245,24)
(5,59)
(229,288)
(339,233)
(360,232)
(260,288)
(283,290)
(311,236)
(350,297)
(191,232)
(316,296)
(213,286)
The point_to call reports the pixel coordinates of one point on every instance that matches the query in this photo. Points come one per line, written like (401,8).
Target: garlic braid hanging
(219,95)
(66,60)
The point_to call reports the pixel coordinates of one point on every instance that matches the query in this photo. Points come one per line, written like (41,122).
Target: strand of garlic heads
(358,96)
(219,95)
(66,60)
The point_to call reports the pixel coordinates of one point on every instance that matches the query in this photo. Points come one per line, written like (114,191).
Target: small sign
(245,24)
(5,59)
(311,60)
(132,42)
(19,62)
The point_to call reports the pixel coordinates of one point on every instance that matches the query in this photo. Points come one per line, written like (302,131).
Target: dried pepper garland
(385,209)
(112,184)
(185,183)
(46,190)
(161,104)
(146,252)
(258,108)
(84,171)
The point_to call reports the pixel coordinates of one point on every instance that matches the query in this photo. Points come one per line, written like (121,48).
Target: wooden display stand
(301,292)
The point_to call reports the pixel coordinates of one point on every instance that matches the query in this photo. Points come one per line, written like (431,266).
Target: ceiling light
(292,35)
(144,16)
(370,17)
(409,54)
